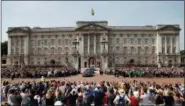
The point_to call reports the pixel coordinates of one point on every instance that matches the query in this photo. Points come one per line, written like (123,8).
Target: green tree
(182,52)
(4,48)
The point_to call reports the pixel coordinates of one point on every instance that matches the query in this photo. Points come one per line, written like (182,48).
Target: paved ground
(105,78)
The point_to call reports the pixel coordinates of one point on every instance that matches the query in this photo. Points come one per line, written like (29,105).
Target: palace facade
(94,43)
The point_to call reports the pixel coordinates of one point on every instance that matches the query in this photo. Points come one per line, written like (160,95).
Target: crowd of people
(146,72)
(63,72)
(37,72)
(89,93)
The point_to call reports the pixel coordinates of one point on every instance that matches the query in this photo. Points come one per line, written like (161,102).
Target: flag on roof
(92,12)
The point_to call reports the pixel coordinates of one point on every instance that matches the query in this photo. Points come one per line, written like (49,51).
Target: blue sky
(65,13)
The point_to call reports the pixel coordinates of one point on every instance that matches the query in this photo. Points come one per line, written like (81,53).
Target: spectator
(121,99)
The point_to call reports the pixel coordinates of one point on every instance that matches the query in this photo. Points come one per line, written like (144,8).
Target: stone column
(26,50)
(9,52)
(26,45)
(9,46)
(177,50)
(95,44)
(165,45)
(158,47)
(76,62)
(104,63)
(88,48)
(177,44)
(171,44)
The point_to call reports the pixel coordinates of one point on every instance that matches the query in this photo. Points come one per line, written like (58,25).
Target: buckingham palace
(94,43)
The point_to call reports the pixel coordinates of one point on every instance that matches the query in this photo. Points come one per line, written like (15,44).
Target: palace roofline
(146,27)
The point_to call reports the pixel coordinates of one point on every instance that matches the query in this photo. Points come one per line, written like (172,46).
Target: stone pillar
(177,50)
(88,48)
(25,46)
(26,50)
(105,63)
(9,52)
(95,44)
(171,44)
(76,62)
(81,44)
(177,44)
(165,45)
(9,46)
(158,47)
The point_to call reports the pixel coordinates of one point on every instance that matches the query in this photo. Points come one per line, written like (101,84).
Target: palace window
(163,40)
(153,50)
(45,50)
(39,51)
(117,49)
(135,35)
(117,40)
(59,50)
(139,41)
(121,35)
(146,41)
(174,49)
(125,41)
(168,49)
(128,41)
(132,41)
(146,50)
(173,40)
(153,41)
(168,40)
(22,42)
(139,50)
(143,41)
(128,35)
(66,49)
(52,50)
(125,50)
(45,42)
(39,42)
(163,50)
(63,42)
(66,41)
(132,50)
(52,41)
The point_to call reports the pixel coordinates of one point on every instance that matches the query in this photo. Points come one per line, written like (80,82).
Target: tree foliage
(182,52)
(4,48)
